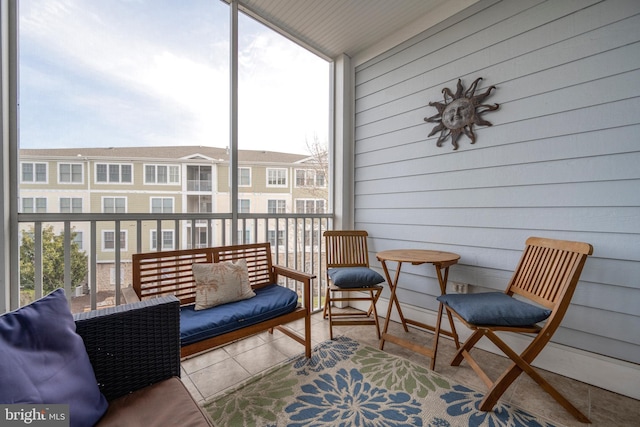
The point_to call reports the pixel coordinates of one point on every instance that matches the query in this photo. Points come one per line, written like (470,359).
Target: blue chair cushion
(44,361)
(270,301)
(494,309)
(354,277)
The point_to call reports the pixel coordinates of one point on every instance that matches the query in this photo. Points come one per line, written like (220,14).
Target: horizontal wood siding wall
(561,160)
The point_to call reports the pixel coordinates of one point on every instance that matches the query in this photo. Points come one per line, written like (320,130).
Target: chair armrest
(134,345)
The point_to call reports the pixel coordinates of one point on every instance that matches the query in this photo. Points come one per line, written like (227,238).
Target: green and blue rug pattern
(348,384)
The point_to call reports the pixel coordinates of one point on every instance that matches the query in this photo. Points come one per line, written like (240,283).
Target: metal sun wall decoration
(459,112)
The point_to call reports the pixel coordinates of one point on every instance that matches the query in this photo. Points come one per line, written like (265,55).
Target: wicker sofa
(135,353)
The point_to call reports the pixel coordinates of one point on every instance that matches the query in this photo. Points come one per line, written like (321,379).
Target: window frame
(244,236)
(108,173)
(78,239)
(34,173)
(240,183)
(114,199)
(123,240)
(162,199)
(307,177)
(198,181)
(169,167)
(153,239)
(307,238)
(34,204)
(71,173)
(274,239)
(277,178)
(277,207)
(71,207)
(243,209)
(315,205)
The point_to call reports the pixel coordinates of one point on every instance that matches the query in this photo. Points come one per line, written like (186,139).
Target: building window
(276,206)
(310,206)
(244,236)
(70,205)
(310,236)
(199,178)
(161,205)
(114,205)
(78,239)
(34,205)
(271,235)
(199,203)
(310,178)
(201,240)
(109,240)
(244,206)
(167,239)
(34,172)
(244,177)
(113,173)
(161,174)
(276,177)
(70,173)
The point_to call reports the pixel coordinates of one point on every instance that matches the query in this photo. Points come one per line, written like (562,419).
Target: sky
(107,73)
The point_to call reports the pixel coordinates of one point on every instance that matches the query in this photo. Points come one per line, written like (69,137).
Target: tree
(319,161)
(52,261)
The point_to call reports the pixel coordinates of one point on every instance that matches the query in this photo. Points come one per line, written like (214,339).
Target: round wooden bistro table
(441,261)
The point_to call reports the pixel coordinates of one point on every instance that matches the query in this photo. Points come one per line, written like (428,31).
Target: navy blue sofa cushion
(354,277)
(494,309)
(269,302)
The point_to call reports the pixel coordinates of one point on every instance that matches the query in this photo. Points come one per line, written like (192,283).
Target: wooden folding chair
(349,276)
(547,275)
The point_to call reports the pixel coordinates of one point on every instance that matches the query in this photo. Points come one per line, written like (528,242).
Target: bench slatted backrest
(258,257)
(170,272)
(167,273)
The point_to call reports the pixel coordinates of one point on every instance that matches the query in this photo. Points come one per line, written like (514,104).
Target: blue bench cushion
(269,302)
(494,309)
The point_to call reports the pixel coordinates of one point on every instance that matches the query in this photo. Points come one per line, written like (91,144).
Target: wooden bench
(157,274)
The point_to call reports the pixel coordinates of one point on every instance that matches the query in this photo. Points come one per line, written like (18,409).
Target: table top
(419,256)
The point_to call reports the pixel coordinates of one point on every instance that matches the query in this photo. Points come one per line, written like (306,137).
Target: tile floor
(211,373)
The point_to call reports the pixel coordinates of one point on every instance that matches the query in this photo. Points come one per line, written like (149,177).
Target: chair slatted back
(549,270)
(346,248)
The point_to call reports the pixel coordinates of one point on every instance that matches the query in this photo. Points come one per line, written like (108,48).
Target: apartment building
(168,180)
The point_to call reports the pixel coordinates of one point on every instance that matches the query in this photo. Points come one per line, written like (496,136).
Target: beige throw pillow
(220,283)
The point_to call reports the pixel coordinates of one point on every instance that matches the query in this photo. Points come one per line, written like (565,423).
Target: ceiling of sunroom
(333,27)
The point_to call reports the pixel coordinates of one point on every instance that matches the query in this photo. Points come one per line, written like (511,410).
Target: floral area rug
(349,384)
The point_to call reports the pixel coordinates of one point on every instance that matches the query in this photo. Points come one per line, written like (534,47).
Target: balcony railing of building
(296,242)
(199,185)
